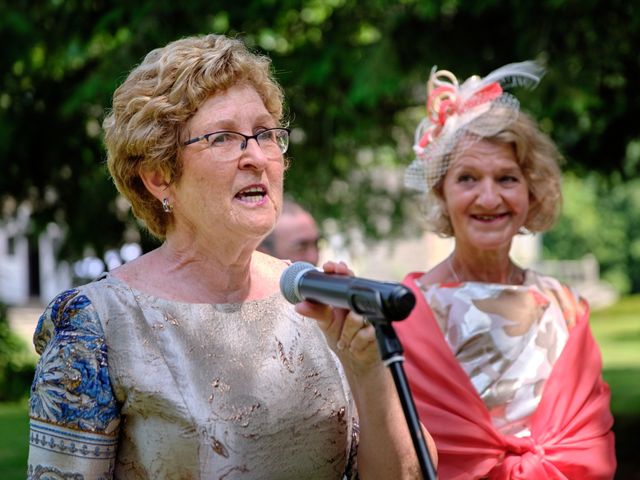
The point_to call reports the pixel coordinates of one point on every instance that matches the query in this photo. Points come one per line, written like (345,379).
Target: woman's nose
(489,195)
(252,155)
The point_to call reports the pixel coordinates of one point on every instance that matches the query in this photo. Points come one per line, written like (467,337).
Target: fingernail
(340,345)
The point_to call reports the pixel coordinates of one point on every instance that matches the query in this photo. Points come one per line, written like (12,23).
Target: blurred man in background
(295,236)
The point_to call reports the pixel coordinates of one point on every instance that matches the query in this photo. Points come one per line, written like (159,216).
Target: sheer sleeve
(74,417)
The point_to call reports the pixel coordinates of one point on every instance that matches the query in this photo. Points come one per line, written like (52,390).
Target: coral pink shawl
(571,435)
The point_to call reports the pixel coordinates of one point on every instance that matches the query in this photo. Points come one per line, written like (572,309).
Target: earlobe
(156,183)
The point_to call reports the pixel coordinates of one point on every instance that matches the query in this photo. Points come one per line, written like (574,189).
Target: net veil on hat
(458,115)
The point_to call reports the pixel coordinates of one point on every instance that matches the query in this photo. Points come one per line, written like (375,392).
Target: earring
(166,206)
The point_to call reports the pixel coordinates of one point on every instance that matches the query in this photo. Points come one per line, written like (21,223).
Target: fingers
(357,334)
(339,268)
(347,333)
(357,347)
(323,314)
(329,319)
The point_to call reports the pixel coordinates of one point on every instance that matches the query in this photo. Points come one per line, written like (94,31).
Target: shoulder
(571,303)
(439,274)
(551,284)
(71,385)
(424,280)
(70,311)
(420,283)
(268,263)
(266,272)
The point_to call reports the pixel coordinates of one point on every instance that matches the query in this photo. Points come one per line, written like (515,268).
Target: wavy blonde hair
(145,126)
(537,156)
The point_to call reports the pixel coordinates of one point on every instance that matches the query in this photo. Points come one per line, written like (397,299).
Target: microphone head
(402,302)
(290,278)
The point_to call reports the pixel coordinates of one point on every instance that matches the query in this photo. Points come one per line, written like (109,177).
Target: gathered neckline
(138,293)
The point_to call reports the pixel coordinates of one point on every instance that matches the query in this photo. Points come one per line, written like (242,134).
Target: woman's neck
(192,274)
(211,272)
(484,267)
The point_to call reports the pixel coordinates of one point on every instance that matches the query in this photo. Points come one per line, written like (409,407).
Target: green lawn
(617,330)
(14,440)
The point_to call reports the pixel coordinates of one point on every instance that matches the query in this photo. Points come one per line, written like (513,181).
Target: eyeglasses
(228,145)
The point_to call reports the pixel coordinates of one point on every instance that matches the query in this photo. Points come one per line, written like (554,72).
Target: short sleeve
(74,417)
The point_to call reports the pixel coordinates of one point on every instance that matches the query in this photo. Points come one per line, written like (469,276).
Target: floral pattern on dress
(507,339)
(71,386)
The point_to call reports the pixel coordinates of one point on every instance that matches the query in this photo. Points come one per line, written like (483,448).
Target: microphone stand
(391,351)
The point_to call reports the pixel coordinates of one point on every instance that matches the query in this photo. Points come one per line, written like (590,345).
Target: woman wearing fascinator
(503,367)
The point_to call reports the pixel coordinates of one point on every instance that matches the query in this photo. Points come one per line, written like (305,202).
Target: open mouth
(490,218)
(253,194)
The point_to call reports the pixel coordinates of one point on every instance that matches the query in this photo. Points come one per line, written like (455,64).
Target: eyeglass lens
(273,142)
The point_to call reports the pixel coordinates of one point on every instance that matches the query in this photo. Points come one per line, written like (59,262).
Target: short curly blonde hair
(537,156)
(150,109)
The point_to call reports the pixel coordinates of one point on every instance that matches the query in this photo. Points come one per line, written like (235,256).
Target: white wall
(14,269)
(386,260)
(54,276)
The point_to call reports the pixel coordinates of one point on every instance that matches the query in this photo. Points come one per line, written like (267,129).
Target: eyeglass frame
(246,137)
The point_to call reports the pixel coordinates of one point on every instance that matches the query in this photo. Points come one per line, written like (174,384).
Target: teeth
(253,190)
(252,198)
(252,194)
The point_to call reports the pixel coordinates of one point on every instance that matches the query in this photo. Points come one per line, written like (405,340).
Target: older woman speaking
(187,362)
(501,361)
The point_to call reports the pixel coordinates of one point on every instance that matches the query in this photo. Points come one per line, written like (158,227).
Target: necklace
(455,275)
(452,270)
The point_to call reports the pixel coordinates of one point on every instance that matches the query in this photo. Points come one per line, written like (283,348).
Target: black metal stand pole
(391,351)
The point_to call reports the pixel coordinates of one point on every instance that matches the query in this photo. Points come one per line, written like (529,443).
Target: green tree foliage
(354,73)
(16,362)
(600,217)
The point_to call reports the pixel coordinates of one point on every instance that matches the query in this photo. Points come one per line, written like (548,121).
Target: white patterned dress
(507,339)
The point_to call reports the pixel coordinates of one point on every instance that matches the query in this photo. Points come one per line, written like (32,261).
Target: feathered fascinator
(458,115)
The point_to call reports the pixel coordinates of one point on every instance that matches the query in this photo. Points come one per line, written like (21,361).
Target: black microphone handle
(316,287)
(392,301)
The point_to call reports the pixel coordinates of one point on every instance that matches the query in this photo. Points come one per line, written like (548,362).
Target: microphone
(388,300)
